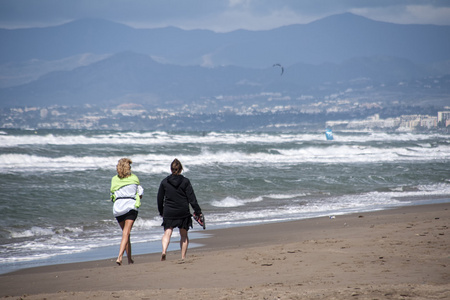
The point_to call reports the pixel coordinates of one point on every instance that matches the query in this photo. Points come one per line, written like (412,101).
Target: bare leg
(184,242)
(128,250)
(165,242)
(125,244)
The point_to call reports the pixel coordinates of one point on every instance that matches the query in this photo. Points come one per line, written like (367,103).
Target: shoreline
(398,250)
(151,247)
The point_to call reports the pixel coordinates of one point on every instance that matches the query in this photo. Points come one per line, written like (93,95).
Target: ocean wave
(49,242)
(32,232)
(234,202)
(159,163)
(39,243)
(332,206)
(226,138)
(285,196)
(144,224)
(240,179)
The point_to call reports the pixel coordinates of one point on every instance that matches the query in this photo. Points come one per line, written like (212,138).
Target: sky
(217,15)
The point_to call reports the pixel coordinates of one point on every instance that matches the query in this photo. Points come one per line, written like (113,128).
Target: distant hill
(129,75)
(332,39)
(101,62)
(123,75)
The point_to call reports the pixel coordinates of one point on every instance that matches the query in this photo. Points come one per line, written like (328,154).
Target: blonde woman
(126,193)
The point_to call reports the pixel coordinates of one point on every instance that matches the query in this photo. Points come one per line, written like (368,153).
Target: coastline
(397,252)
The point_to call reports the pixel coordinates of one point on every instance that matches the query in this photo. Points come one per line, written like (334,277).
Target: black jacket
(174,196)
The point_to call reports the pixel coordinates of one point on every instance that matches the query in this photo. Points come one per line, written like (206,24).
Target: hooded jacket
(126,194)
(175,194)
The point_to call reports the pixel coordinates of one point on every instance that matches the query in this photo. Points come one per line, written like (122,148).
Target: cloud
(230,20)
(217,15)
(409,14)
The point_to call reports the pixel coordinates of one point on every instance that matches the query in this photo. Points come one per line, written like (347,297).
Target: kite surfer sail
(329,134)
(282,69)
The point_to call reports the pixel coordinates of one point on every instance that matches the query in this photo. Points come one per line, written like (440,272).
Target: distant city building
(444,117)
(402,123)
(430,122)
(129,109)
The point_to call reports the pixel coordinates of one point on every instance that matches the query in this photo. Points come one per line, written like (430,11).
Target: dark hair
(176,167)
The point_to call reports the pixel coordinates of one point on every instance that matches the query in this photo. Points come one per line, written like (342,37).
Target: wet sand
(402,253)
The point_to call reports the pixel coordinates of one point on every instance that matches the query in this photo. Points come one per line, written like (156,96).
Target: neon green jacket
(117,183)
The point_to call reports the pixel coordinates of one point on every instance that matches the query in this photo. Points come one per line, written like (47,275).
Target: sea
(54,189)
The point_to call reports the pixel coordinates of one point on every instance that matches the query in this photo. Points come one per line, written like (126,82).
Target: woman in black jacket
(175,194)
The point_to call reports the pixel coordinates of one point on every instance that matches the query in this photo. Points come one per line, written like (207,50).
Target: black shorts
(131,215)
(177,223)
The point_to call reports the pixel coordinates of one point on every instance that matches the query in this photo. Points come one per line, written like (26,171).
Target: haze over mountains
(105,63)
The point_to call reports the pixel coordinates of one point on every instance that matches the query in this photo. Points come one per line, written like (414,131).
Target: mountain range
(106,63)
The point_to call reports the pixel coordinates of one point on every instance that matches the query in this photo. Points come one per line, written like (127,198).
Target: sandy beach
(402,253)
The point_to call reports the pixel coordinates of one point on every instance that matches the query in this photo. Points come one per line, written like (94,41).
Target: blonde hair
(124,167)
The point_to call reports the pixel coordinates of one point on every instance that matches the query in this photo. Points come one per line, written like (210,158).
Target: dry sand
(402,253)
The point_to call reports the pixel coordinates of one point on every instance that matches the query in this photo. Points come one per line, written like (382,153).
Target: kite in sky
(282,69)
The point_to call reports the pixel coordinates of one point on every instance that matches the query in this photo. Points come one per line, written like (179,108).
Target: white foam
(351,148)
(159,163)
(267,152)
(50,242)
(164,138)
(234,202)
(331,205)
(285,196)
(145,224)
(33,231)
